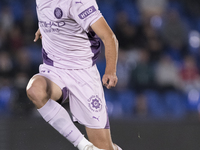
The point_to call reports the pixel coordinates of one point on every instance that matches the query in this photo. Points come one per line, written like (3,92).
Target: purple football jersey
(67,39)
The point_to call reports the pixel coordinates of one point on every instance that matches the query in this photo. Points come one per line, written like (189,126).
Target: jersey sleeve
(85,12)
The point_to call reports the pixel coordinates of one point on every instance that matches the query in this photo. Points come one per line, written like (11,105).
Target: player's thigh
(46,86)
(101,138)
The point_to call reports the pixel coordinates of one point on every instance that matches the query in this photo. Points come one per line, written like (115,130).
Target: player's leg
(41,91)
(88,106)
(101,138)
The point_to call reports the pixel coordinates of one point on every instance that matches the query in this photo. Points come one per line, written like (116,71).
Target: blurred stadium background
(156,103)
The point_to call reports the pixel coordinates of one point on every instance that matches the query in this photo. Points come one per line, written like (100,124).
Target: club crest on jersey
(95,103)
(58,13)
(87,12)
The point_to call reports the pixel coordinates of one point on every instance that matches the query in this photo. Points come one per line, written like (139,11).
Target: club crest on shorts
(95,103)
(58,13)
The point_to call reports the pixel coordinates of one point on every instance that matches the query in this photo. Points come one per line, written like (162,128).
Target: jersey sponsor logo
(58,13)
(49,27)
(50,24)
(87,12)
(95,103)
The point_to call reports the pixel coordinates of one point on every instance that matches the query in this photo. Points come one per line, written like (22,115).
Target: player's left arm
(102,29)
(37,35)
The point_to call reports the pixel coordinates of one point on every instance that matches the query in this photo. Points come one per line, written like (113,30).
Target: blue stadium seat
(5,97)
(126,99)
(114,106)
(17,10)
(131,9)
(193,100)
(108,12)
(155,103)
(174,104)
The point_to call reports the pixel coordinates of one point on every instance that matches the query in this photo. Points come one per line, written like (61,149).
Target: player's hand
(109,80)
(37,35)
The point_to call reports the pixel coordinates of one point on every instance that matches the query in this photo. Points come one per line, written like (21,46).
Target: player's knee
(37,93)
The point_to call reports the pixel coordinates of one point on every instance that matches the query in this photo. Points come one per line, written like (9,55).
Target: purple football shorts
(84,89)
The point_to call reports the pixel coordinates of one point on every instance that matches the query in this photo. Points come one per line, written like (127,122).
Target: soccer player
(69,30)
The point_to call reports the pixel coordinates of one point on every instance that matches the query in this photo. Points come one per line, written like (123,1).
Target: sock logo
(69,133)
